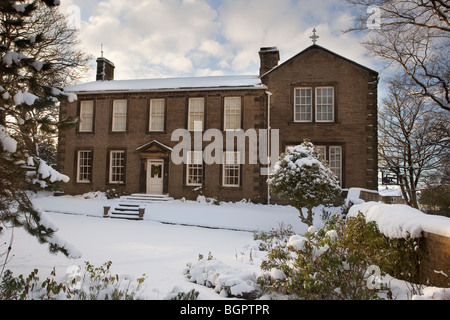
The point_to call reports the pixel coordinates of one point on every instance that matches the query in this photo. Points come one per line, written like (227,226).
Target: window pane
(157,115)
(231,169)
(84,167)
(303,106)
(336,161)
(196,113)
(86,116)
(232,113)
(194,168)
(120,115)
(325,104)
(117,167)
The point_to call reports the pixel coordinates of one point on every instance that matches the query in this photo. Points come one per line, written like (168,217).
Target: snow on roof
(170,84)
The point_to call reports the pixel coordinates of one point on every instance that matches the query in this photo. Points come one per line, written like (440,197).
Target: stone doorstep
(133,207)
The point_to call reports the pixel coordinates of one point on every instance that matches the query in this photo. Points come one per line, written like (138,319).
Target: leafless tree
(59,45)
(65,63)
(413,36)
(413,137)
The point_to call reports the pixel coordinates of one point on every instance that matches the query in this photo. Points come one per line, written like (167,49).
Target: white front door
(155,176)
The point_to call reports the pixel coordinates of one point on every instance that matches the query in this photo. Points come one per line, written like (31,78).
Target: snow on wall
(399,221)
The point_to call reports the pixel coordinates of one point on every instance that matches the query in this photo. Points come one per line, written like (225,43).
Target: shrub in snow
(329,263)
(178,294)
(225,280)
(97,283)
(299,176)
(273,238)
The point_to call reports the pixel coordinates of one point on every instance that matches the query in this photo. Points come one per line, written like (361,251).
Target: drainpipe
(269,94)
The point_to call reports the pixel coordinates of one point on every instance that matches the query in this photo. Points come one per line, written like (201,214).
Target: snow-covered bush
(275,237)
(224,279)
(301,177)
(329,263)
(97,283)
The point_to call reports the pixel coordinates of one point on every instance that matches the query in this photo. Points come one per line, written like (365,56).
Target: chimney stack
(269,56)
(105,69)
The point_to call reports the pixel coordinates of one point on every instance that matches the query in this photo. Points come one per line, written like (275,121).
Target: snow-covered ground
(171,236)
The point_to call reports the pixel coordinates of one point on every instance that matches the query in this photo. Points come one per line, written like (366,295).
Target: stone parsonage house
(124,137)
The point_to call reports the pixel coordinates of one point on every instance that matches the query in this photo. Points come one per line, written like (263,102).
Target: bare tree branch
(413,36)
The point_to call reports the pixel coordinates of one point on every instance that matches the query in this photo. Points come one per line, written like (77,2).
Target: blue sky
(177,38)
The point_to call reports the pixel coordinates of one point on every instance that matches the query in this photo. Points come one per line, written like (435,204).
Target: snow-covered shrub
(273,238)
(114,193)
(323,264)
(97,283)
(301,177)
(177,294)
(224,279)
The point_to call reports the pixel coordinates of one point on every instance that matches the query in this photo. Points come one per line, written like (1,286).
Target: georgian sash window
(119,120)
(333,155)
(314,104)
(86,116)
(231,169)
(232,113)
(194,168)
(156,122)
(303,105)
(325,104)
(196,113)
(84,166)
(117,166)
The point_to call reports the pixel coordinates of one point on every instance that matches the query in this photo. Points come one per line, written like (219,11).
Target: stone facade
(349,140)
(354,124)
(435,263)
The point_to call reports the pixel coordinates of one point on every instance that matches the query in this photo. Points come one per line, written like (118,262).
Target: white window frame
(303,105)
(86,116)
(157,115)
(119,117)
(328,153)
(326,104)
(114,166)
(84,166)
(194,168)
(231,163)
(232,113)
(335,161)
(195,116)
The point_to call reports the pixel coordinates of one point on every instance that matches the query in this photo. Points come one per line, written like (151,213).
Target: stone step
(138,197)
(125,211)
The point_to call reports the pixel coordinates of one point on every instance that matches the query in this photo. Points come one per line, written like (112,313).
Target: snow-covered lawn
(160,246)
(171,235)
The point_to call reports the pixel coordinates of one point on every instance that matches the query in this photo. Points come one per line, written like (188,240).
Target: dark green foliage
(337,262)
(301,177)
(96,283)
(28,105)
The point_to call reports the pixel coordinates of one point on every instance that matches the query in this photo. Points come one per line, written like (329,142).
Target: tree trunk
(309,218)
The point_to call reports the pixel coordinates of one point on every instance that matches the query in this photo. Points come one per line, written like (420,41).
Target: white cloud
(161,38)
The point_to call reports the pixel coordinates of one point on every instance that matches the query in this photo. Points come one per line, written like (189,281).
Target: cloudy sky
(177,38)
